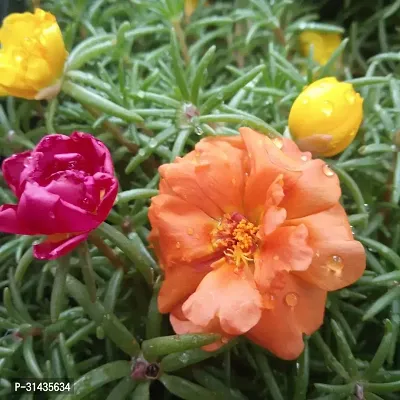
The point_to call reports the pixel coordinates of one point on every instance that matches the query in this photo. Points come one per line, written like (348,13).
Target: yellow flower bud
(325,117)
(324,44)
(32,53)
(190,7)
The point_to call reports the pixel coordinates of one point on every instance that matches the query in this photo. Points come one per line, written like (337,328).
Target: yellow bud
(32,53)
(325,117)
(190,7)
(324,44)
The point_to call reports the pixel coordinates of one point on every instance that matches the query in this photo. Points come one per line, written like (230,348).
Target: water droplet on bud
(178,245)
(305,100)
(350,96)
(190,231)
(327,108)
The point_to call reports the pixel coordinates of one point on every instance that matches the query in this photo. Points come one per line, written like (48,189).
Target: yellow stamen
(237,239)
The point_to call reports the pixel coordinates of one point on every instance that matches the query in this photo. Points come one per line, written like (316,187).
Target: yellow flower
(324,44)
(32,54)
(190,7)
(325,117)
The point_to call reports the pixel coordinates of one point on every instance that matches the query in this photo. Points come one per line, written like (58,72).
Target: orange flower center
(237,237)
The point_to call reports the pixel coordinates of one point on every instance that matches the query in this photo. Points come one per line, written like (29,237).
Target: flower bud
(324,44)
(325,117)
(32,54)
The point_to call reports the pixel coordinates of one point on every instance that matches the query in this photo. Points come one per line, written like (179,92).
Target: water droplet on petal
(335,265)
(291,299)
(327,108)
(304,158)
(224,340)
(72,165)
(51,215)
(190,231)
(278,142)
(178,245)
(327,170)
(268,301)
(350,96)
(27,161)
(276,257)
(317,254)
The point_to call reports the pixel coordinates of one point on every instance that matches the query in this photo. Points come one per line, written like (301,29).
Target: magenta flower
(66,188)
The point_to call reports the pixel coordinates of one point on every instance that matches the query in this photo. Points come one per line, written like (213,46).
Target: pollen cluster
(236,237)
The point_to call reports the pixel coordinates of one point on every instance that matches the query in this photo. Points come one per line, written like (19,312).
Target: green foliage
(150,84)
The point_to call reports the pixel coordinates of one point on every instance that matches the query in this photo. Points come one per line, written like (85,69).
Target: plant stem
(182,40)
(105,249)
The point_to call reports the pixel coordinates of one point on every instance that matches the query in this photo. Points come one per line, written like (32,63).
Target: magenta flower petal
(94,151)
(47,214)
(48,250)
(12,168)
(66,187)
(69,185)
(9,221)
(110,187)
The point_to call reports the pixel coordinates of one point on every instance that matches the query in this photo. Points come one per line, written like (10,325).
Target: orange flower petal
(229,296)
(317,190)
(336,264)
(298,308)
(234,141)
(284,250)
(183,326)
(153,239)
(267,161)
(334,218)
(274,215)
(180,178)
(180,282)
(184,230)
(338,260)
(291,149)
(220,173)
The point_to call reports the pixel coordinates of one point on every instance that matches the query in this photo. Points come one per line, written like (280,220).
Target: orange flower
(251,236)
